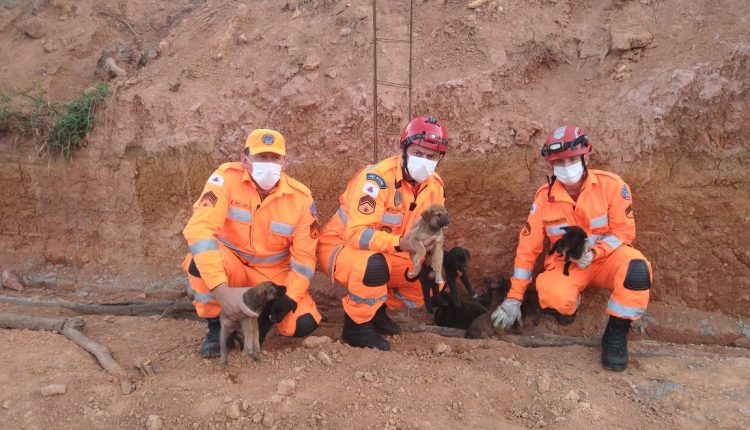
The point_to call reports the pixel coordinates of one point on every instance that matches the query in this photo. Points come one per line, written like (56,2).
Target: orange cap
(265,140)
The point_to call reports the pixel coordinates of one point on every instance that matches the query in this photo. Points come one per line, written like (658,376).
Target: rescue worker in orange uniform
(363,245)
(601,204)
(253,223)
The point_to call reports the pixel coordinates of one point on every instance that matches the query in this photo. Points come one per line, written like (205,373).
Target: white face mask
(420,168)
(569,175)
(266,175)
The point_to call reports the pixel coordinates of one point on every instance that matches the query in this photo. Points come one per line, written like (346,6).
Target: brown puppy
(256,299)
(434,218)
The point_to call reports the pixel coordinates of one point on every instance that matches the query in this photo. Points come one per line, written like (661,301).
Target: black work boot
(615,344)
(560,318)
(383,323)
(363,335)
(210,346)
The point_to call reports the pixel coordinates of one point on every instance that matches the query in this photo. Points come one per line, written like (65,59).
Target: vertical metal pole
(374,82)
(411,25)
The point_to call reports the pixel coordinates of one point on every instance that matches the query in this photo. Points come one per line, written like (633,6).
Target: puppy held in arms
(256,299)
(572,245)
(433,220)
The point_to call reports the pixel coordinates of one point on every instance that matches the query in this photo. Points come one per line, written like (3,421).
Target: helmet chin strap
(404,169)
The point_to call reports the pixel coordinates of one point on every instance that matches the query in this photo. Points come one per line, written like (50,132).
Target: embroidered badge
(380,181)
(267,139)
(397,199)
(208,200)
(386,229)
(314,210)
(526,229)
(216,179)
(629,211)
(366,205)
(314,229)
(371,189)
(625,192)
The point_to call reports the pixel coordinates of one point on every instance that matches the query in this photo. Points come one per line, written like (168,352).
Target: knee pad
(637,278)
(305,325)
(376,271)
(193,269)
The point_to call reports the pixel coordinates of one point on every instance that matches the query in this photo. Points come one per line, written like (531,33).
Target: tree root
(68,327)
(174,309)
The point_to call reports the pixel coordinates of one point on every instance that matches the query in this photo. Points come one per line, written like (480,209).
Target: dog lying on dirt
(433,220)
(256,299)
(476,318)
(572,245)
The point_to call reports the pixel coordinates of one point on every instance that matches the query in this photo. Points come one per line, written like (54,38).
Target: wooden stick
(68,327)
(177,309)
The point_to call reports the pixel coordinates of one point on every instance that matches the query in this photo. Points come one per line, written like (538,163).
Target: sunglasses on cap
(555,147)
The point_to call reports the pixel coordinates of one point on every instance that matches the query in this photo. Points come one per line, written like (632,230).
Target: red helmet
(425,131)
(565,142)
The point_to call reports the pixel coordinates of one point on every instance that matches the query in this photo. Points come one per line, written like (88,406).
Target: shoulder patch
(366,205)
(370,189)
(378,179)
(314,210)
(216,179)
(625,192)
(208,200)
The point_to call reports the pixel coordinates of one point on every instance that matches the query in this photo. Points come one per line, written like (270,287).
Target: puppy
(457,260)
(454,316)
(433,220)
(256,299)
(481,327)
(572,245)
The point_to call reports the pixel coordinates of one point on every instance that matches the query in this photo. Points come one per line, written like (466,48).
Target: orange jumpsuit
(236,237)
(604,210)
(377,208)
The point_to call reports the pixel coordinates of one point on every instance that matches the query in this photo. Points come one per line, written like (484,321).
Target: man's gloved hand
(507,314)
(586,259)
(282,306)
(231,302)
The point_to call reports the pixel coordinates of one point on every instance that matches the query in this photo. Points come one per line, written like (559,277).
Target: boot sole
(615,367)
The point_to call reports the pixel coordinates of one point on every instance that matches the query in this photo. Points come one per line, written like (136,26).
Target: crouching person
(251,224)
(601,204)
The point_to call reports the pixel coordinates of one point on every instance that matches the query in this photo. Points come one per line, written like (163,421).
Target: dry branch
(68,327)
(176,309)
(123,21)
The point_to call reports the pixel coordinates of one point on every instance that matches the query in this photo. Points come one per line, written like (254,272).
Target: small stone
(6,404)
(440,348)
(544,382)
(257,418)
(312,62)
(9,279)
(153,422)
(315,341)
(573,395)
(233,411)
(53,389)
(245,405)
(624,39)
(126,387)
(286,387)
(242,39)
(367,376)
(268,420)
(33,28)
(476,4)
(541,423)
(345,31)
(324,358)
(163,48)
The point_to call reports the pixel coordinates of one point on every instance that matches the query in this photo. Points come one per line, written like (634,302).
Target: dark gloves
(280,307)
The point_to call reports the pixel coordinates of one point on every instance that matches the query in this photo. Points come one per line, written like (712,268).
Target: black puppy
(426,278)
(454,261)
(572,245)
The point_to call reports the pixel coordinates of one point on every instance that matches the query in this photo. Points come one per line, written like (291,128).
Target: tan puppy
(434,218)
(256,299)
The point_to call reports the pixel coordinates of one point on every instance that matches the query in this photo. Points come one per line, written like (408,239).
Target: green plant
(70,127)
(143,60)
(52,127)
